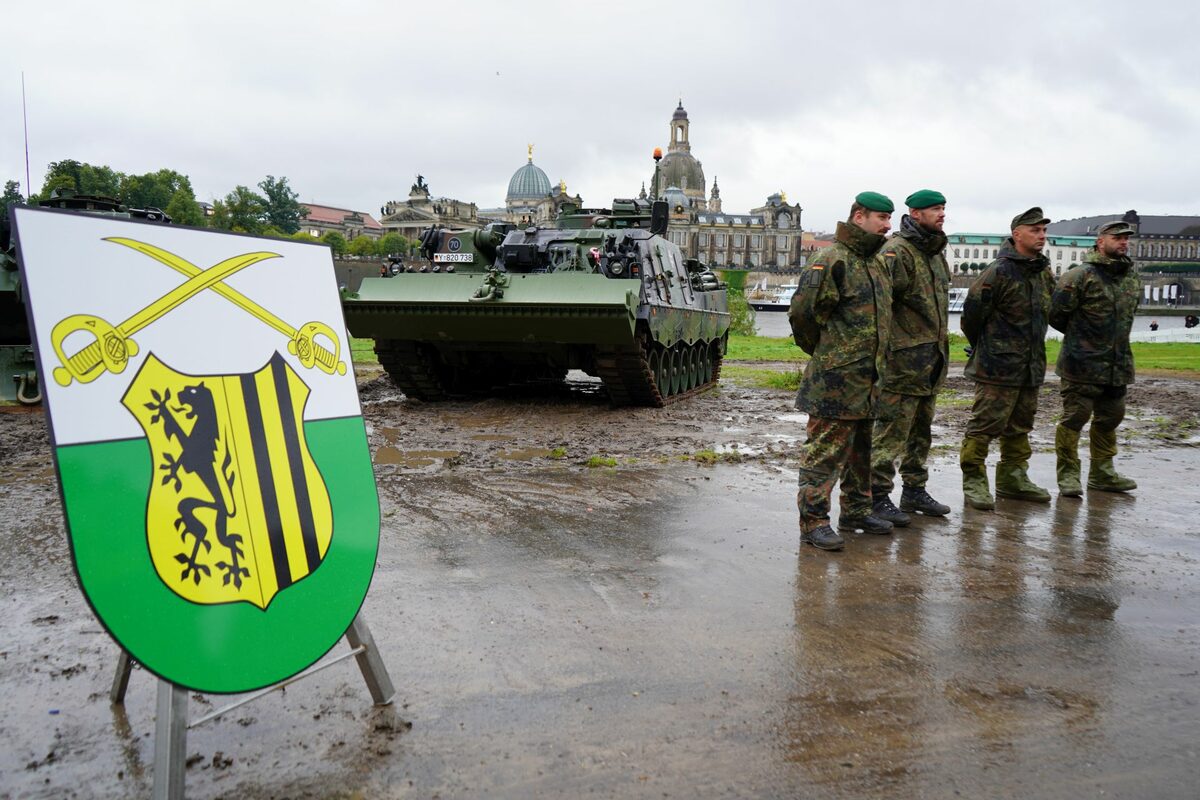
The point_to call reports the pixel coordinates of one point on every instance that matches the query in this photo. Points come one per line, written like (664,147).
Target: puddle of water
(740,448)
(413,459)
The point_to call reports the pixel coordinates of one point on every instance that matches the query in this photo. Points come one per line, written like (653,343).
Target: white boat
(957,298)
(779,300)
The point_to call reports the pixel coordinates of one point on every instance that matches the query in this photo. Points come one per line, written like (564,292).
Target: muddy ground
(579,600)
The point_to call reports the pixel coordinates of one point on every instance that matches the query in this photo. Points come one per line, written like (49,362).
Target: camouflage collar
(1034,263)
(859,241)
(1118,265)
(928,242)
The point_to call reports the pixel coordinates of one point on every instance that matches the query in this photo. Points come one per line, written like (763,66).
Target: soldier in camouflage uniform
(1093,305)
(1004,319)
(918,353)
(841,315)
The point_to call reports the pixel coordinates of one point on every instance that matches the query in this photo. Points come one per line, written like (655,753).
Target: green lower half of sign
(231,647)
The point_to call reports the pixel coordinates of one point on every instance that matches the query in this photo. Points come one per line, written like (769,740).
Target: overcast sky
(1082,108)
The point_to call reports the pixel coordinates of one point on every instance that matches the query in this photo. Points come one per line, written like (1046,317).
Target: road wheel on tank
(689,369)
(678,371)
(654,362)
(706,362)
(697,357)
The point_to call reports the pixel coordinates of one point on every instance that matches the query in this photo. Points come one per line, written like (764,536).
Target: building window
(720,240)
(1141,250)
(781,242)
(704,240)
(739,240)
(995,252)
(976,252)
(1074,255)
(1058,255)
(956,252)
(755,241)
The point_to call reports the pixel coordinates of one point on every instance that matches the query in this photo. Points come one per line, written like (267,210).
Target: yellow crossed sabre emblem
(112,346)
(301,341)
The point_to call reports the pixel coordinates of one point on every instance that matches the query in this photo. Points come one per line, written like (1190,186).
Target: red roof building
(350,224)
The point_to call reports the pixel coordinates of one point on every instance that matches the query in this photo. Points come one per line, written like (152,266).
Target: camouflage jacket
(844,309)
(919,348)
(1093,305)
(1004,319)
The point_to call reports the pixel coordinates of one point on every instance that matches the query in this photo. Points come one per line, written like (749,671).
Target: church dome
(679,112)
(681,169)
(677,199)
(528,183)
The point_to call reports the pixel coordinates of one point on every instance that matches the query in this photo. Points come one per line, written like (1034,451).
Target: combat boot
(823,537)
(972,459)
(1103,475)
(1066,449)
(918,501)
(883,508)
(868,524)
(1012,481)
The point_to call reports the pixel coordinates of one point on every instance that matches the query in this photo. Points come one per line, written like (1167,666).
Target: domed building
(679,168)
(531,198)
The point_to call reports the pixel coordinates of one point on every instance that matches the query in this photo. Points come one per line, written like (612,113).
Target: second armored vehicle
(603,292)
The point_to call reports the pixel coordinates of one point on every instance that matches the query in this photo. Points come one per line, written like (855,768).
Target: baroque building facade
(767,237)
(421,210)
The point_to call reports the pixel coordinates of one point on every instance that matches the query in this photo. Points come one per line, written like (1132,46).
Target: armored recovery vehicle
(603,291)
(18,367)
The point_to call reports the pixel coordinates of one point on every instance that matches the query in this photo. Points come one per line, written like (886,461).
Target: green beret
(1033,216)
(875,202)
(924,198)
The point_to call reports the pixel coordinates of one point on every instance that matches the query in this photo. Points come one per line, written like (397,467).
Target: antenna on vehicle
(25,122)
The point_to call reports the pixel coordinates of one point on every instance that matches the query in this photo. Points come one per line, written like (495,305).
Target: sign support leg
(379,683)
(120,684)
(170,741)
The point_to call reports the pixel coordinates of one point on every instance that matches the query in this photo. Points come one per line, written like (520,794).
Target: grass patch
(601,461)
(362,351)
(759,378)
(558,452)
(763,348)
(952,399)
(709,457)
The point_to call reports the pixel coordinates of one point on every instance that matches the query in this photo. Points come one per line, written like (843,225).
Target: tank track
(630,376)
(412,368)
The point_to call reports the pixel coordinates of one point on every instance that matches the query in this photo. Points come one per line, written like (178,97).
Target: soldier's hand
(969,351)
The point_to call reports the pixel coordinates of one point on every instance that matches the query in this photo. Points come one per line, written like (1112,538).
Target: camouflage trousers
(1082,400)
(902,432)
(1002,411)
(835,447)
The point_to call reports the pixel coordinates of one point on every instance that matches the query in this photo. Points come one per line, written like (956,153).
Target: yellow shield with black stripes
(238,510)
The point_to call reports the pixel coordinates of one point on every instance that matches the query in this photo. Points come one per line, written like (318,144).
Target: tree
(336,242)
(154,189)
(393,244)
(363,246)
(82,178)
(183,208)
(12,194)
(241,210)
(282,207)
